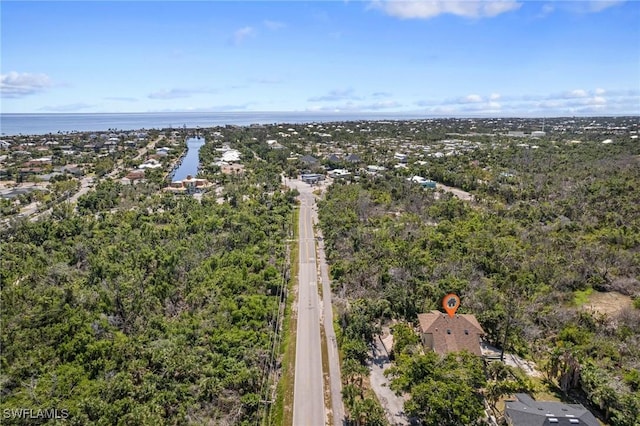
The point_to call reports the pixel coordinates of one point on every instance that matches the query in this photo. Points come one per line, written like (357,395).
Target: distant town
(36,172)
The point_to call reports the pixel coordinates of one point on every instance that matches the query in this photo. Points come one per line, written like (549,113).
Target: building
(526,411)
(135,175)
(309,160)
(353,158)
(373,169)
(189,185)
(443,334)
(400,157)
(425,183)
(311,178)
(334,158)
(150,164)
(339,173)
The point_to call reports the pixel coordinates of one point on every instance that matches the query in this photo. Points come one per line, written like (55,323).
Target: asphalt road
(308,399)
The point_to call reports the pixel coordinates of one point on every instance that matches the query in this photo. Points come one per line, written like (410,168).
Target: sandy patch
(610,303)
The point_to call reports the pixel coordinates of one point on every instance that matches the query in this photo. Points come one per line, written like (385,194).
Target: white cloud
(472,99)
(273,25)
(351,106)
(426,9)
(241,34)
(571,102)
(171,94)
(121,99)
(265,80)
(335,95)
(546,10)
(177,93)
(17,85)
(577,93)
(67,108)
(381,105)
(579,7)
(600,5)
(575,102)
(231,107)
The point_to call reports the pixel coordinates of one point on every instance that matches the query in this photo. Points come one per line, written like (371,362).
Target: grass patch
(580,297)
(282,410)
(546,390)
(326,378)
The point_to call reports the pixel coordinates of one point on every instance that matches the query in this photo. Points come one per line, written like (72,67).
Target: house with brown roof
(188,185)
(443,333)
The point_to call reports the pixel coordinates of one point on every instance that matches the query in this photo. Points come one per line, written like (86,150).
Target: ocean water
(41,124)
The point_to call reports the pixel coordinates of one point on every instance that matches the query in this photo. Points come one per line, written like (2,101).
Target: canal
(191,161)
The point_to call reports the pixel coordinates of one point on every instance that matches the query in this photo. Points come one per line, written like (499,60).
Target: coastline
(27,124)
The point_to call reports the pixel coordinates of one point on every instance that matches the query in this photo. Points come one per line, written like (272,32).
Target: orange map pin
(451,303)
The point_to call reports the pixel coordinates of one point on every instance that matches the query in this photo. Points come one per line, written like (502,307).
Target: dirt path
(463,195)
(393,405)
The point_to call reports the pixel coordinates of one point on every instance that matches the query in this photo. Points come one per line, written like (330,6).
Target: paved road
(308,399)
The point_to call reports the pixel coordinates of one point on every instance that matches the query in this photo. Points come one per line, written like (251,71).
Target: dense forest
(145,308)
(562,225)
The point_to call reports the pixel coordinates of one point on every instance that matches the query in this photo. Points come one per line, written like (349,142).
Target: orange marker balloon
(451,303)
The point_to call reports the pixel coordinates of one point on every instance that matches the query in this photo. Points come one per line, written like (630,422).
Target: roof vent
(448,331)
(466,332)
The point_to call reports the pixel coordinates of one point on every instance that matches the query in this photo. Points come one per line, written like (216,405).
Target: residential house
(134,175)
(526,411)
(309,160)
(353,158)
(400,157)
(425,183)
(339,173)
(374,169)
(334,158)
(443,334)
(150,164)
(188,185)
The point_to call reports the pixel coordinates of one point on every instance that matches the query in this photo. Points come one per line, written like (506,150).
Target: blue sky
(452,58)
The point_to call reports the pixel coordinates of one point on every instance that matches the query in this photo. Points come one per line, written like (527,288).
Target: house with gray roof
(309,160)
(526,411)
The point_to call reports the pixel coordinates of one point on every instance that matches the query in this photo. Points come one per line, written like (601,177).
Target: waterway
(191,161)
